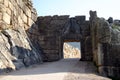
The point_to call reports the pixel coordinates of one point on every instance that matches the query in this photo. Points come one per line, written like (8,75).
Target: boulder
(16,50)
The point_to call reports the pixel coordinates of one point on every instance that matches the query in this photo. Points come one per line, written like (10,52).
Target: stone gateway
(99,40)
(26,39)
(51,32)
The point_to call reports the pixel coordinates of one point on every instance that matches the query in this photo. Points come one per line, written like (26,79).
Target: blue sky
(104,8)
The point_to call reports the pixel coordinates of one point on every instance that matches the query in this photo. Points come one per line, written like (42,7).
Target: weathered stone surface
(51,32)
(106,45)
(6,3)
(6,18)
(19,64)
(100,40)
(1,1)
(0,16)
(5,58)
(110,20)
(30,22)
(24,18)
(3,25)
(16,50)
(2,8)
(80,19)
(20,21)
(33,14)
(20,51)
(115,37)
(104,31)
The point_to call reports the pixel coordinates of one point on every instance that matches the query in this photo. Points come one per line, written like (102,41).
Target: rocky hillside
(72,50)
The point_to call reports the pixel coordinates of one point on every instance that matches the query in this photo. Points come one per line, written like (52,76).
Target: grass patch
(116,27)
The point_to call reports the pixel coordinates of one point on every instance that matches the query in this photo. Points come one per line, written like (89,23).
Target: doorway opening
(71,50)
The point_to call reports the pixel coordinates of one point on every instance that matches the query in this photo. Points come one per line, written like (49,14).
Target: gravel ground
(66,69)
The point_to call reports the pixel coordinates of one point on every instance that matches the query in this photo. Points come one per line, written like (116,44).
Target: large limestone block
(115,38)
(3,25)
(2,8)
(1,1)
(34,14)
(100,55)
(28,12)
(20,21)
(6,18)
(104,31)
(30,22)
(6,2)
(10,5)
(24,18)
(0,16)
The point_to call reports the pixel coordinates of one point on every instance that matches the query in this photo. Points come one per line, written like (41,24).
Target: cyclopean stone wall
(17,13)
(99,39)
(106,45)
(50,32)
(16,50)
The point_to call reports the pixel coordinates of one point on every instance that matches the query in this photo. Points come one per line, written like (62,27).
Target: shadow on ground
(68,69)
(72,65)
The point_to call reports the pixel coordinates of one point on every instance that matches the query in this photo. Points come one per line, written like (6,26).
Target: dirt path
(66,69)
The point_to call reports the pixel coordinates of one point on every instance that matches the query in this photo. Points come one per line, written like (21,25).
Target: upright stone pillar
(93,29)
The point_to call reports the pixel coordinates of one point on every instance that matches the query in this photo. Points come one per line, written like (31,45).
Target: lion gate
(52,31)
(100,42)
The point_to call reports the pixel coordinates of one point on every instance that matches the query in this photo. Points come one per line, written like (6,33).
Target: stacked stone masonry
(105,45)
(16,50)
(100,39)
(16,13)
(51,32)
